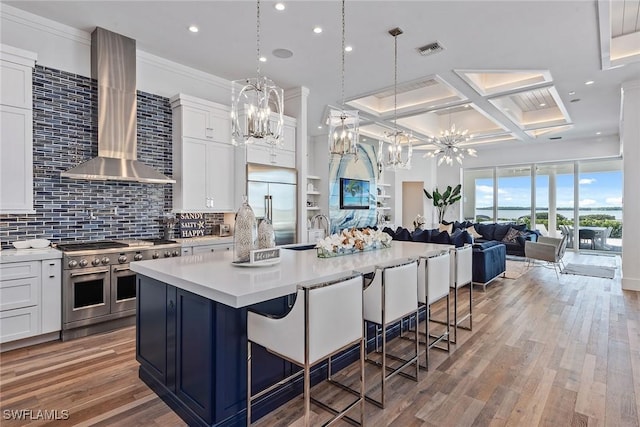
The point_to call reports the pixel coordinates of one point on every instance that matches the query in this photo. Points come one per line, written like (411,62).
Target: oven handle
(118,270)
(86,273)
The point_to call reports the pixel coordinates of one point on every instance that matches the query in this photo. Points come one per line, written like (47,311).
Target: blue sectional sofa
(489,261)
(513,240)
(489,254)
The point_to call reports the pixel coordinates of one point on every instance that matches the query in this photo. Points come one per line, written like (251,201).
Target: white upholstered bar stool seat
(325,319)
(461,275)
(392,296)
(434,282)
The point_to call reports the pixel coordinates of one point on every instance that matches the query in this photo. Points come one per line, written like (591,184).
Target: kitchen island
(191,326)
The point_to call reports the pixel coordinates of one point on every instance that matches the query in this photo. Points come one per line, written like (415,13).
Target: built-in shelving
(383,200)
(312,194)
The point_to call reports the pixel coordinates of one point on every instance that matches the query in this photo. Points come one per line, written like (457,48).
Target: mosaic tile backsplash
(65,134)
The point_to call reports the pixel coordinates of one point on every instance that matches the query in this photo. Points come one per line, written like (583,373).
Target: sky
(596,189)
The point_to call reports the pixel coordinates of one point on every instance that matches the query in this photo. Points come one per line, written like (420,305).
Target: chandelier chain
(395,83)
(343,47)
(258,39)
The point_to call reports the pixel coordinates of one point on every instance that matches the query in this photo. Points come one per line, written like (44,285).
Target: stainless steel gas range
(98,288)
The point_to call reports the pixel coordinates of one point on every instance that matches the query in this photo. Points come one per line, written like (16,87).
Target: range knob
(175,253)
(95,262)
(137,257)
(155,255)
(167,254)
(122,259)
(73,263)
(83,262)
(105,260)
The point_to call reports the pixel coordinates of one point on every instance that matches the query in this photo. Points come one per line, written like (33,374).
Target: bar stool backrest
(433,278)
(400,293)
(461,266)
(335,317)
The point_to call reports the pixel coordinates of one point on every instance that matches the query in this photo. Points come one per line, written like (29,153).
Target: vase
(245,233)
(266,235)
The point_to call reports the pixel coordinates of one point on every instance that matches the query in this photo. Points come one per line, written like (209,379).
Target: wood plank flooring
(542,351)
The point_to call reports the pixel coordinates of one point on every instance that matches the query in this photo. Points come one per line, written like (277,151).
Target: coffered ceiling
(512,72)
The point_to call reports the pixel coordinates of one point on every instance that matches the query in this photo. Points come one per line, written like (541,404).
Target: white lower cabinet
(51,296)
(222,247)
(30,299)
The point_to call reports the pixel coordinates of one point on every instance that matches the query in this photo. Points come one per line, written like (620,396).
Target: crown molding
(43,24)
(174,67)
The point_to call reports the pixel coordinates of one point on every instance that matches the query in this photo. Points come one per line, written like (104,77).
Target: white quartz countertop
(19,255)
(206,240)
(212,275)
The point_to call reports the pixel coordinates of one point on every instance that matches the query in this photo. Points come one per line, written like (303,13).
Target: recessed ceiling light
(348,48)
(319,126)
(282,53)
(542,104)
(589,82)
(573,92)
(467,105)
(280,6)
(598,133)
(317,30)
(193,28)
(263,59)
(364,139)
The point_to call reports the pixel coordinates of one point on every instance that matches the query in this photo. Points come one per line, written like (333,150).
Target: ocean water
(517,213)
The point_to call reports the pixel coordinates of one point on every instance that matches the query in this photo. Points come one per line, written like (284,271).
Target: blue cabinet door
(151,331)
(195,356)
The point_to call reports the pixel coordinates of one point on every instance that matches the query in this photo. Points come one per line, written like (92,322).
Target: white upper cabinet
(285,156)
(16,135)
(203,156)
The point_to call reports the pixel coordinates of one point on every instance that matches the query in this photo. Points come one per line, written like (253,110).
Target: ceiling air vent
(555,137)
(430,49)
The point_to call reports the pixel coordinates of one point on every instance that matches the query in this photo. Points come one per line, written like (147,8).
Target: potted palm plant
(442,201)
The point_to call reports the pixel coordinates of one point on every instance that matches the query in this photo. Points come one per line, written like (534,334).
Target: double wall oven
(98,287)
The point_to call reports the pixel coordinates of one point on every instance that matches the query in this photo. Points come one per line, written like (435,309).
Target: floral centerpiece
(352,241)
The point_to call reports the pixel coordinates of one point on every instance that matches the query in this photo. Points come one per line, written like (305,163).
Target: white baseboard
(629,284)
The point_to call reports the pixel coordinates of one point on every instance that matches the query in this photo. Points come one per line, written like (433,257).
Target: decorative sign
(264,255)
(192,224)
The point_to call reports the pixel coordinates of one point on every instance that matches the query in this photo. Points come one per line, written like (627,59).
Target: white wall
(68,49)
(630,131)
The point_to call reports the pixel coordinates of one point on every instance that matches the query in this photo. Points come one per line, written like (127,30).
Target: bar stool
(325,319)
(433,279)
(461,272)
(392,295)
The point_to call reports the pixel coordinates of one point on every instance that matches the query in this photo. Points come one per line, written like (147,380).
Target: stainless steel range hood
(113,64)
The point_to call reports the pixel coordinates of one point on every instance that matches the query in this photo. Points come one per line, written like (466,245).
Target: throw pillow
(511,236)
(442,237)
(472,230)
(460,237)
(500,231)
(446,227)
(402,234)
(421,236)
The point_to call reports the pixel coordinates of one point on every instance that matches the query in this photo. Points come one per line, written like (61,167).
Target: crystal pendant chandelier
(343,125)
(256,106)
(400,149)
(447,145)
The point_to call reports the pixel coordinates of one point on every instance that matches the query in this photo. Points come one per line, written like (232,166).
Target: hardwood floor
(542,351)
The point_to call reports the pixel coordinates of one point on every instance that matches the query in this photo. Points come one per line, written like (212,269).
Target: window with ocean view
(596,185)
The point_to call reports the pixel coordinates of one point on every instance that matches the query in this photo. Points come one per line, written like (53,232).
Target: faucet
(321,221)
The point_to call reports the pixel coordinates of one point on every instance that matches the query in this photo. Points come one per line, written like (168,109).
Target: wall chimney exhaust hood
(113,64)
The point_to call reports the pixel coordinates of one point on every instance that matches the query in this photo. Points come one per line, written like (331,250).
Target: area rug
(515,269)
(590,270)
